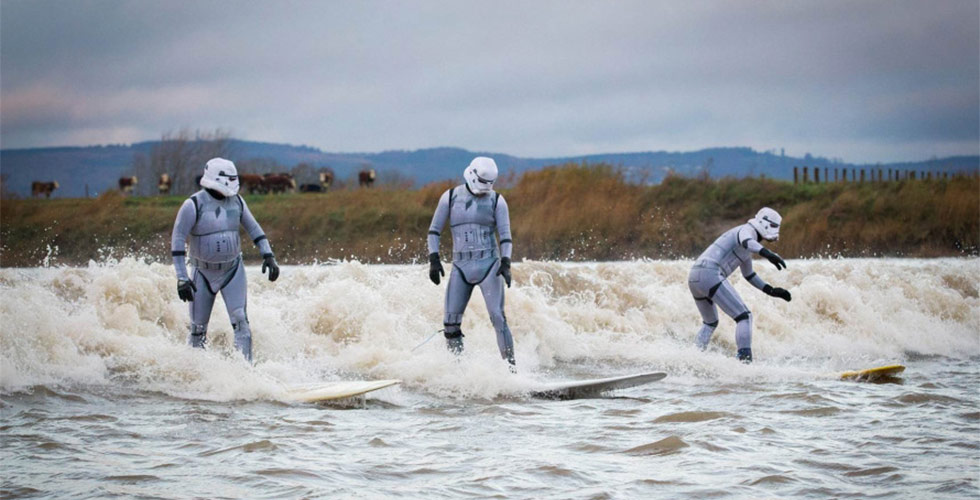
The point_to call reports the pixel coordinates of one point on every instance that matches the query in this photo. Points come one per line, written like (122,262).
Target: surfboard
(591,388)
(873,374)
(329,391)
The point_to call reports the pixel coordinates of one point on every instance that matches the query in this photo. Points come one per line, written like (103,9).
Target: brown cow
(126,184)
(326,179)
(366,177)
(253,183)
(45,188)
(279,183)
(164,184)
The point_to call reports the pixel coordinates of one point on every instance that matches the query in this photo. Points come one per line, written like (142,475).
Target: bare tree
(705,174)
(181,156)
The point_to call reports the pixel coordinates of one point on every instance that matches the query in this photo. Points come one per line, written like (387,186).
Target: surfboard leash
(428,339)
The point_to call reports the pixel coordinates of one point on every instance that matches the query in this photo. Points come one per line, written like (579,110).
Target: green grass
(567,212)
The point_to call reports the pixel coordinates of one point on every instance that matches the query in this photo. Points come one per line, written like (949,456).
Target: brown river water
(101,398)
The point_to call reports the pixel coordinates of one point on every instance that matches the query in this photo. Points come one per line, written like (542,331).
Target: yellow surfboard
(873,374)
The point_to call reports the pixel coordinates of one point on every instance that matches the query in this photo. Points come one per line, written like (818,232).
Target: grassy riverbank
(571,212)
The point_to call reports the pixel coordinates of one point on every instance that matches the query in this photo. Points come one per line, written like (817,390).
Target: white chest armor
(214,238)
(473,224)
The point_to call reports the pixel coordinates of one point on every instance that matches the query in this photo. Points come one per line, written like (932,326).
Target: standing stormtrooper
(207,224)
(474,212)
(709,284)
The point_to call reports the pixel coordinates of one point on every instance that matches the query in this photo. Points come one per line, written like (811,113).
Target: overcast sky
(864,81)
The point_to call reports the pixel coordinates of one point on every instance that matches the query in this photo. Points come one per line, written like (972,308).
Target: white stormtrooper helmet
(480,175)
(220,175)
(767,222)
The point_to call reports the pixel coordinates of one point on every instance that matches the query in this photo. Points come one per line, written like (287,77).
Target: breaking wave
(121,323)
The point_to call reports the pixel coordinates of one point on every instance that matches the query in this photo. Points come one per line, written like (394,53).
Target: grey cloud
(860,80)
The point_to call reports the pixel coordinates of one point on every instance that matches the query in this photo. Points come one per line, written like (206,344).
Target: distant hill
(90,170)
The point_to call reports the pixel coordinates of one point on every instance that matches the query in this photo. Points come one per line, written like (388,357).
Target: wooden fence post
(806,175)
(796,175)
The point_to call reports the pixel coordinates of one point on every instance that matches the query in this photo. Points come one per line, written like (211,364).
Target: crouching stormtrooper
(474,212)
(206,231)
(709,284)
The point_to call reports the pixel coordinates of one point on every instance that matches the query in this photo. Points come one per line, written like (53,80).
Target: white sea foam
(121,323)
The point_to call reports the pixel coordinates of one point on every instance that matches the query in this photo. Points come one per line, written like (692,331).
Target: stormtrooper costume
(474,212)
(206,231)
(710,287)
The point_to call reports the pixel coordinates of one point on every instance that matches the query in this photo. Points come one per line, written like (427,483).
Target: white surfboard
(328,391)
(591,388)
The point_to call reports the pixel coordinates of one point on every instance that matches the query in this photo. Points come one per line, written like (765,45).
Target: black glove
(774,258)
(505,270)
(777,292)
(435,267)
(269,262)
(185,290)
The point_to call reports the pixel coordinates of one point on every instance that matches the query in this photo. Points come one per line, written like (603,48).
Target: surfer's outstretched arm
(254,230)
(751,275)
(439,219)
(258,237)
(503,228)
(186,217)
(747,238)
(502,216)
(761,284)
